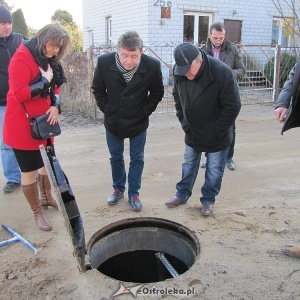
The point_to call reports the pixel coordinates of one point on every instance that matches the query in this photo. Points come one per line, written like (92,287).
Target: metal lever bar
(167,264)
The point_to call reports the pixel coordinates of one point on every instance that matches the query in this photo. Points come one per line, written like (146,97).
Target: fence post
(276,73)
(90,79)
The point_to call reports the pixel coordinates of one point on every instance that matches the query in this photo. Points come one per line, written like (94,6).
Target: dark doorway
(233,30)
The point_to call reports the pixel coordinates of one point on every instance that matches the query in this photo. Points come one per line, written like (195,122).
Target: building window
(90,36)
(108,30)
(196,26)
(281,32)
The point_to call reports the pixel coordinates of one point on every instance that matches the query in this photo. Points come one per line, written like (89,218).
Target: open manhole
(143,250)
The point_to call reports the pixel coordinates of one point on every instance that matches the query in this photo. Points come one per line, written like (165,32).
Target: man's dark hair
(130,40)
(216,26)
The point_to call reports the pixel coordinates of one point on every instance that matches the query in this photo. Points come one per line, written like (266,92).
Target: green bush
(287,61)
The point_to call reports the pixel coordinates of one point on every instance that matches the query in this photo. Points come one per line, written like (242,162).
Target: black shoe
(206,209)
(10,187)
(135,203)
(115,197)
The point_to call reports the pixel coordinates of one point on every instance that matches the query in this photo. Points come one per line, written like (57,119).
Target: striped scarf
(126,74)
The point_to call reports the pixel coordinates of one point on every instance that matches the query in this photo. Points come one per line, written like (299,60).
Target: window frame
(196,16)
(108,23)
(278,31)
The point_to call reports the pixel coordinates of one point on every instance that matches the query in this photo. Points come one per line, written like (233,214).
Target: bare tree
(288,11)
(2,2)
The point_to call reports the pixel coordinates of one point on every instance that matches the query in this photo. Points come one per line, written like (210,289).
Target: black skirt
(29,160)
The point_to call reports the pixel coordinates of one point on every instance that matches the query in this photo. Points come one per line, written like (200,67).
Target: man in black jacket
(9,43)
(207,103)
(127,86)
(288,113)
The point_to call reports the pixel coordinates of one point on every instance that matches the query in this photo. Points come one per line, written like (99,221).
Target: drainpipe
(276,73)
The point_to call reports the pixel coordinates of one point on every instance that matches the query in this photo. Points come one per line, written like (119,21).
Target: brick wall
(145,17)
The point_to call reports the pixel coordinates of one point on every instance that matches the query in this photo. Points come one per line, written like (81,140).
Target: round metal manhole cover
(143,250)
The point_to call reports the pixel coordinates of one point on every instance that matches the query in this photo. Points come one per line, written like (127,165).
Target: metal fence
(267,67)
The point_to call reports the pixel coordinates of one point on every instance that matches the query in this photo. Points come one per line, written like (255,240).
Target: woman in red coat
(35,75)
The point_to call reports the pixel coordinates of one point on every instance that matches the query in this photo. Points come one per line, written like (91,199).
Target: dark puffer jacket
(8,47)
(127,106)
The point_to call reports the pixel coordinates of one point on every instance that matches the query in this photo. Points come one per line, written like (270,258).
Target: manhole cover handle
(167,264)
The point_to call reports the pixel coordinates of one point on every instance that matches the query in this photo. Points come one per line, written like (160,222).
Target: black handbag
(40,128)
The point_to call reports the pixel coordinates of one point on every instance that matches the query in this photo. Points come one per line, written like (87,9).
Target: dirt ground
(256,214)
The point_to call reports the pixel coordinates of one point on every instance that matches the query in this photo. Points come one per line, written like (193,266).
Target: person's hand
(53,115)
(48,74)
(280,113)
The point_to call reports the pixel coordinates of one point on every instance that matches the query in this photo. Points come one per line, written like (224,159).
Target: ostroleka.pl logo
(140,290)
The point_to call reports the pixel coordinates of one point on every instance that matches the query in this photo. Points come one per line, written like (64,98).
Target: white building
(173,21)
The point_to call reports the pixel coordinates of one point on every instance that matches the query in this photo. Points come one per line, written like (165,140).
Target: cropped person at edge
(37,91)
(127,86)
(9,43)
(287,111)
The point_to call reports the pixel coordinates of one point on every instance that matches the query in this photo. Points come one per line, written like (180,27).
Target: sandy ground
(256,214)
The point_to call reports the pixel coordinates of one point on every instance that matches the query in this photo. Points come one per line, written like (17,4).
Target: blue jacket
(8,47)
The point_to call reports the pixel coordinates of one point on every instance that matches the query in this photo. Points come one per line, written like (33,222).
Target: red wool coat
(23,70)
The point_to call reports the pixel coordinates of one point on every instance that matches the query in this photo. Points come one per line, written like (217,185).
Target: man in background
(227,52)
(9,43)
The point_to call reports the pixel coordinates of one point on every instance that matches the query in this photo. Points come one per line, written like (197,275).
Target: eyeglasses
(217,39)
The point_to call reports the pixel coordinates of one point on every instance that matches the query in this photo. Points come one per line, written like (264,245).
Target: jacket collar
(136,79)
(223,46)
(4,39)
(141,69)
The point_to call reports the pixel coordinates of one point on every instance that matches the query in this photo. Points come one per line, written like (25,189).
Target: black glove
(58,74)
(40,88)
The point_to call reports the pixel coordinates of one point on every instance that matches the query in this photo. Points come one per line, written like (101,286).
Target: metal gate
(267,67)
